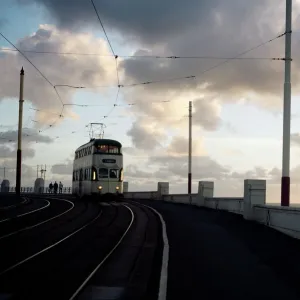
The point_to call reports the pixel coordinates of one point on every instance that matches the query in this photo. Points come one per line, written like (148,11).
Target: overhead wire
(115,55)
(147,82)
(171,57)
(38,70)
(198,75)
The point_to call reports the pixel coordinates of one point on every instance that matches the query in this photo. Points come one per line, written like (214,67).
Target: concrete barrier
(284,219)
(234,205)
(252,205)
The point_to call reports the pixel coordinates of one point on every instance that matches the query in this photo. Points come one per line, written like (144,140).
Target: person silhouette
(55,187)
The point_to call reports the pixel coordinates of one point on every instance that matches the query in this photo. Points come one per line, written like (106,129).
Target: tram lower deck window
(103,173)
(113,173)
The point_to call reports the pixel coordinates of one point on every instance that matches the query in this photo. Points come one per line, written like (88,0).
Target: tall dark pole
(285,180)
(19,150)
(190,150)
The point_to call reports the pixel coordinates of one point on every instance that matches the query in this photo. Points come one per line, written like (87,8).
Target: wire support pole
(285,180)
(190,150)
(19,150)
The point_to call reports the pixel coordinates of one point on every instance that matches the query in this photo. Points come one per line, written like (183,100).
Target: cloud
(58,69)
(295,139)
(163,29)
(207,113)
(146,135)
(28,173)
(179,147)
(62,169)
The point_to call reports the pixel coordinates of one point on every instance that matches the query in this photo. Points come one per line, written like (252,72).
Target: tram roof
(99,142)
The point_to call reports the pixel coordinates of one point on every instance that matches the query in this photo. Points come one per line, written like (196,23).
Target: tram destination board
(109,161)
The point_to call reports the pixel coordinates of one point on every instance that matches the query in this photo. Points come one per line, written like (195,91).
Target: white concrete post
(162,189)
(254,194)
(205,190)
(5,186)
(39,186)
(125,186)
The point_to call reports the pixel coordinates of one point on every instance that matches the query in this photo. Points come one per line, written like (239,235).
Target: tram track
(118,243)
(66,265)
(20,247)
(26,213)
(18,227)
(132,270)
(49,247)
(8,207)
(39,223)
(88,278)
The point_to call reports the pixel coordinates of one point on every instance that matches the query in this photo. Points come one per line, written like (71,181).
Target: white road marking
(165,259)
(49,247)
(27,213)
(105,258)
(43,222)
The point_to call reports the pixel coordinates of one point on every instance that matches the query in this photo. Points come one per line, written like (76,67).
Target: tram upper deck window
(102,149)
(111,149)
(103,173)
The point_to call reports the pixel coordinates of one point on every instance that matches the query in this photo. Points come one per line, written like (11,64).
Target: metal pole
(19,151)
(190,149)
(285,180)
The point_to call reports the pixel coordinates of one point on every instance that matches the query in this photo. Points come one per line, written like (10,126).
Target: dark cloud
(203,167)
(134,17)
(11,153)
(28,173)
(28,135)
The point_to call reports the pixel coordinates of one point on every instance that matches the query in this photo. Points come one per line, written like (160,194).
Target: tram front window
(114,173)
(102,149)
(103,173)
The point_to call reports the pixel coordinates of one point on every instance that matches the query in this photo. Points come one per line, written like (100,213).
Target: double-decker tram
(98,169)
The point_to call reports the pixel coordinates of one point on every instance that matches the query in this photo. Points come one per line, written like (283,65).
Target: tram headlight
(99,187)
(117,188)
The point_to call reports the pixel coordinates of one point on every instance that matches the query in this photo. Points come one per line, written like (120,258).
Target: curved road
(219,255)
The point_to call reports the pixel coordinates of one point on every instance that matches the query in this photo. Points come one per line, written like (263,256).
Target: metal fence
(30,190)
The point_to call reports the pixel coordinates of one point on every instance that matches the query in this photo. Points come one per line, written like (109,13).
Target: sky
(237,104)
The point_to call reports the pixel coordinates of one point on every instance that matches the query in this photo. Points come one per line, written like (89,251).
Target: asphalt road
(219,255)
